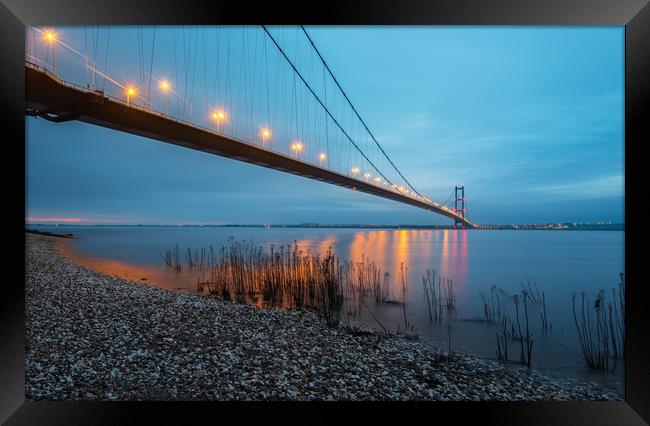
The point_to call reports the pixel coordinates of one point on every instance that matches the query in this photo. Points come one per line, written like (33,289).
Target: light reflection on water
(560,262)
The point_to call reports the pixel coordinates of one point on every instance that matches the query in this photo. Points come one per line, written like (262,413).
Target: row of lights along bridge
(220,116)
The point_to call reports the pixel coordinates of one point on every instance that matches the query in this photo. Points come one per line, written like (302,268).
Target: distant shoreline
(48,234)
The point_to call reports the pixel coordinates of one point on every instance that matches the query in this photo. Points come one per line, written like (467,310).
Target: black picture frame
(633,14)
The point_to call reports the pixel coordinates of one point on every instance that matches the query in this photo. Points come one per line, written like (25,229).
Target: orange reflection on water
(159,276)
(326,244)
(401,255)
(317,248)
(463,256)
(357,247)
(445,251)
(444,255)
(459,260)
(387,249)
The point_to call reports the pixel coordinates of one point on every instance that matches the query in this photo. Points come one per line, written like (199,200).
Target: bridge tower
(459,201)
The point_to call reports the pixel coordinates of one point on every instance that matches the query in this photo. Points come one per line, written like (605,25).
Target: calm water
(559,262)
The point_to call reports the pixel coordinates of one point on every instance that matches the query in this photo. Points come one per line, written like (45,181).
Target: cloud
(610,186)
(417,121)
(64,219)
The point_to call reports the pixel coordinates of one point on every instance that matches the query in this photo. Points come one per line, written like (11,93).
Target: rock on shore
(95,337)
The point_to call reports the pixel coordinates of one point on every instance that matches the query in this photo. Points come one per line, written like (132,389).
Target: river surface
(557,262)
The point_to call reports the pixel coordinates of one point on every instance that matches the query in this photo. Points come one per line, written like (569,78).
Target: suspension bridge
(261,95)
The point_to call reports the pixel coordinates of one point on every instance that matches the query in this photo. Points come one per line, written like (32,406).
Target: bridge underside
(54,100)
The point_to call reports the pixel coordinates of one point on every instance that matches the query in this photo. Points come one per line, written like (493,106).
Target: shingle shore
(97,337)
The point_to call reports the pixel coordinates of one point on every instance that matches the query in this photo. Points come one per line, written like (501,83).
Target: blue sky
(529,119)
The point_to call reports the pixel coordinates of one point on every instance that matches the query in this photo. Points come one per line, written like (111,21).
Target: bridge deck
(47,94)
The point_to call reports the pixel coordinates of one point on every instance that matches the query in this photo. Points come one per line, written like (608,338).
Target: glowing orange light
(355,170)
(49,36)
(265,133)
(297,146)
(322,156)
(219,115)
(130,91)
(377,179)
(165,86)
(366,175)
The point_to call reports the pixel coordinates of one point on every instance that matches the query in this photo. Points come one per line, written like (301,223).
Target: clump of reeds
(526,341)
(173,259)
(600,327)
(190,261)
(495,312)
(532,292)
(535,297)
(492,308)
(288,277)
(330,297)
(362,280)
(409,329)
(546,327)
(439,295)
(502,339)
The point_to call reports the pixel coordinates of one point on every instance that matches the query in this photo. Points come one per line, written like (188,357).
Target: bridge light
(130,92)
(219,115)
(265,133)
(377,179)
(322,156)
(355,170)
(49,36)
(366,175)
(165,86)
(297,147)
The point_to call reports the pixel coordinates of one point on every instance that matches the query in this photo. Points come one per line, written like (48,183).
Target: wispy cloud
(417,121)
(40,219)
(610,186)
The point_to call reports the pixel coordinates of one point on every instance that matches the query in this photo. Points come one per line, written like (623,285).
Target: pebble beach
(91,336)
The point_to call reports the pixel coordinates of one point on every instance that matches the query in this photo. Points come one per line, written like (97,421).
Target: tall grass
(502,339)
(363,280)
(600,326)
(546,326)
(493,310)
(496,312)
(409,329)
(287,277)
(173,259)
(439,295)
(525,341)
